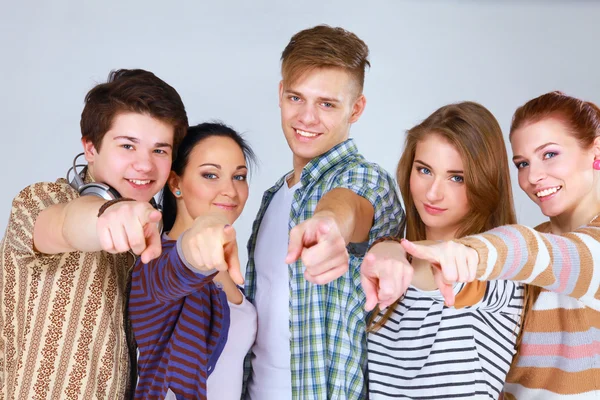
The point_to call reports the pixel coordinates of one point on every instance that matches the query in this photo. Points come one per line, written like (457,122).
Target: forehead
(549,130)
(218,150)
(143,127)
(439,153)
(323,82)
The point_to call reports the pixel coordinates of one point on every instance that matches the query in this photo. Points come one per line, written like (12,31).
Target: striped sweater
(180,320)
(429,351)
(560,352)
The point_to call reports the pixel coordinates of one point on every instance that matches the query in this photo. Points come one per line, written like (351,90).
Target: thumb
(233,262)
(229,234)
(295,245)
(154,216)
(446,289)
(153,244)
(420,251)
(323,230)
(368,282)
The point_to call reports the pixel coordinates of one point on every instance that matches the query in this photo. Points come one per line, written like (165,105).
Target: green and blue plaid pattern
(328,322)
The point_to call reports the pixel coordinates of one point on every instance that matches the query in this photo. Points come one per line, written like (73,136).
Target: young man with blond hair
(66,258)
(313,228)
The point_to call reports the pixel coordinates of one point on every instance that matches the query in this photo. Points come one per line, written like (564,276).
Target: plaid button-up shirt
(328,322)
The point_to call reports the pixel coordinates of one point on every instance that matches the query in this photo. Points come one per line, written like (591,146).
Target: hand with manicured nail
(211,244)
(452,262)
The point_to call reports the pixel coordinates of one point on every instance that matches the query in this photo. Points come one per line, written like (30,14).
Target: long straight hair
(476,135)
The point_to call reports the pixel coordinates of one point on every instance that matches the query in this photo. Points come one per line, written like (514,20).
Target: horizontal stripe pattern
(429,351)
(560,353)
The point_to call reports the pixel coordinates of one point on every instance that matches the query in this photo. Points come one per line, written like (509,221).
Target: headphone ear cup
(99,190)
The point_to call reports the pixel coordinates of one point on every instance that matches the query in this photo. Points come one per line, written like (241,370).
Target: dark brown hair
(324,46)
(477,136)
(131,90)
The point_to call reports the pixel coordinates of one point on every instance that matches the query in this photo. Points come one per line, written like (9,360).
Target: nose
(143,162)
(307,114)
(535,173)
(228,188)
(435,192)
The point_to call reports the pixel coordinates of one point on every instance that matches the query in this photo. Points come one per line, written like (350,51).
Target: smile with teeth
(139,181)
(548,192)
(306,134)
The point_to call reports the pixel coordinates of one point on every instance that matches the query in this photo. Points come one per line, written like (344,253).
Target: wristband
(110,203)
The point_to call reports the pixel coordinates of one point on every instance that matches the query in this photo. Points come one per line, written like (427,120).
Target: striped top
(180,320)
(429,351)
(62,328)
(560,352)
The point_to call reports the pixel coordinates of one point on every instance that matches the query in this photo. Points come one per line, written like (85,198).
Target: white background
(223,58)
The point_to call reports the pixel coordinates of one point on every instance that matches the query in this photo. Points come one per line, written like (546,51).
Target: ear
(280,92)
(89,150)
(596,148)
(357,109)
(173,182)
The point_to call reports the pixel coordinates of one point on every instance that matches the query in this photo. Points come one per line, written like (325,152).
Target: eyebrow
(219,167)
(320,99)
(539,148)
(136,140)
(450,171)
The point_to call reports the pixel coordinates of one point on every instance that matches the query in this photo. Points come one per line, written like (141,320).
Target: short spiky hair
(131,90)
(324,46)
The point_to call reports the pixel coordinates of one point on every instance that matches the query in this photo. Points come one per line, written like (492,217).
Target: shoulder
(40,195)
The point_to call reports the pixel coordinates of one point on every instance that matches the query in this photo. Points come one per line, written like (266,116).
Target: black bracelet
(111,202)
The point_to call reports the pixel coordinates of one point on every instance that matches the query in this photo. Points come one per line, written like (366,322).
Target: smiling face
(214,181)
(317,111)
(554,170)
(135,156)
(437,187)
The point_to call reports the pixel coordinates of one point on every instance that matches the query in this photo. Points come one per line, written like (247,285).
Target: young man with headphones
(69,247)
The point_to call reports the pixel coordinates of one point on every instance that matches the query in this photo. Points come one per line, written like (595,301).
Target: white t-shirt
(271,371)
(225,381)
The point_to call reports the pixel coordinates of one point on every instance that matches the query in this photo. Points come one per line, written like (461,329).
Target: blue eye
(327,105)
(209,176)
(424,170)
(294,98)
(457,178)
(240,177)
(521,164)
(550,154)
(127,146)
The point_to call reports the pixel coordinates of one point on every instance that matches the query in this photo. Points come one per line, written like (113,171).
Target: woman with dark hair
(185,303)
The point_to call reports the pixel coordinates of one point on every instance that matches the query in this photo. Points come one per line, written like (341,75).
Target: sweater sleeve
(567,264)
(169,277)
